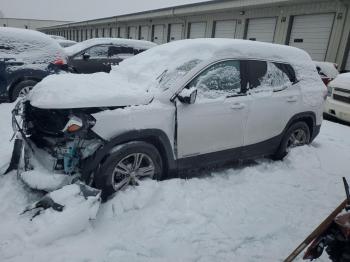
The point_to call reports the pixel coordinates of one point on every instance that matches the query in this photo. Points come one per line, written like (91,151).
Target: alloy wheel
(297,138)
(131,169)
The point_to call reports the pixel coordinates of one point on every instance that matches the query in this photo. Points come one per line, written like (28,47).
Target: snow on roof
(151,63)
(137,44)
(341,81)
(139,74)
(28,45)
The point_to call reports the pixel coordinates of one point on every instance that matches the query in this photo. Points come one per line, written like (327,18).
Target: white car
(338,100)
(181,105)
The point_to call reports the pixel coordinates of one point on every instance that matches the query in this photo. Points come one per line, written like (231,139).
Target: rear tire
(22,89)
(298,134)
(119,169)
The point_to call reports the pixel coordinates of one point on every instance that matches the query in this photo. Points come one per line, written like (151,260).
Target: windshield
(169,78)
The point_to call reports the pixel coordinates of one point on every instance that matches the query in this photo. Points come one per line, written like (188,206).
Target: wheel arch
(155,137)
(18,81)
(308,117)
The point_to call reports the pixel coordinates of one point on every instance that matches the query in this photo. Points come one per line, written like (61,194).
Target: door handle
(292,99)
(237,106)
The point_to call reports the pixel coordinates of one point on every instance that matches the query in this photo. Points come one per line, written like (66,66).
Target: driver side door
(211,129)
(92,60)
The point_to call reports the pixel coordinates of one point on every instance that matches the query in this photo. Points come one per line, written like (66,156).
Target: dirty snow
(255,212)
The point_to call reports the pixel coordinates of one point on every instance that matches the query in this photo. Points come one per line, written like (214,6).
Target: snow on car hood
(341,81)
(82,91)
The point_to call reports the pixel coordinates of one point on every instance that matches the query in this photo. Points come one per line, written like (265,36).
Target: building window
(110,32)
(96,32)
(103,32)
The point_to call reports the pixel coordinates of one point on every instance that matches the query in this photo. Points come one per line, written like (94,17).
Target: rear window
(262,74)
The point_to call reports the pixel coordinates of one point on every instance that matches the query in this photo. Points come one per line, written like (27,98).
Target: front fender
(156,137)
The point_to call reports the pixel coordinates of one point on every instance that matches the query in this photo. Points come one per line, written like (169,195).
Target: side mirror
(86,56)
(188,96)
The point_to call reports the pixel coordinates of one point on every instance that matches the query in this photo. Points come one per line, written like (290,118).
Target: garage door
(197,30)
(175,32)
(132,32)
(144,32)
(158,34)
(122,32)
(347,65)
(261,29)
(312,33)
(225,29)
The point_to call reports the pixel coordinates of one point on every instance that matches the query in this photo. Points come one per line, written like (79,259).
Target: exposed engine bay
(61,139)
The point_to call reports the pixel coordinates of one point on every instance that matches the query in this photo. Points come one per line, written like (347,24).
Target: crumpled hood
(87,90)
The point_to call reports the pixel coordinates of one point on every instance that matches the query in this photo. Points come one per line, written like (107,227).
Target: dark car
(26,57)
(99,54)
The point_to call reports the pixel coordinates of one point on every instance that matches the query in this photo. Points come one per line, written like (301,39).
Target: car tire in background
(127,165)
(22,88)
(298,134)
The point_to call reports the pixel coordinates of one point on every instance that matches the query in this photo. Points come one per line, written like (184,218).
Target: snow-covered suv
(184,104)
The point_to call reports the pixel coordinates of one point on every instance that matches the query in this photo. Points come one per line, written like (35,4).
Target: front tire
(128,165)
(298,134)
(22,89)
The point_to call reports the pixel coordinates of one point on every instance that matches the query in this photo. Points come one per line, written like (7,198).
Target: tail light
(59,61)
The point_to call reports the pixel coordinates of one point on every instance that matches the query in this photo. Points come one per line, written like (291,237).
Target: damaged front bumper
(47,159)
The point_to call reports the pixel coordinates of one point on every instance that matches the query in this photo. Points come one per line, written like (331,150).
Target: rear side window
(100,51)
(267,75)
(120,51)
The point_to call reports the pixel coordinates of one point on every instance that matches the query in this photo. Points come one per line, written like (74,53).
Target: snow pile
(51,225)
(341,81)
(136,44)
(255,212)
(29,46)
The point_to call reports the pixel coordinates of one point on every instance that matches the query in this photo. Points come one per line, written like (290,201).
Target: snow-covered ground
(256,212)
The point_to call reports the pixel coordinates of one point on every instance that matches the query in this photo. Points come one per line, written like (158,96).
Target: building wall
(283,10)
(28,23)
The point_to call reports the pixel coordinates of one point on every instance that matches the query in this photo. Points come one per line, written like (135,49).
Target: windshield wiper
(161,76)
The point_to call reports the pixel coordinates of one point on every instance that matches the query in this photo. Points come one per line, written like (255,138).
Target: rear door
(95,59)
(214,123)
(275,98)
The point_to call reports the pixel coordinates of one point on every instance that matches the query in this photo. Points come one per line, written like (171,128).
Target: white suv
(181,105)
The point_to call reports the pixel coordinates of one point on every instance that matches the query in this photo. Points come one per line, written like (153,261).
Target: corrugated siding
(225,29)
(261,29)
(312,33)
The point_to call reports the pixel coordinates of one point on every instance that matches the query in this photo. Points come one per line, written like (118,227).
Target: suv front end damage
(58,140)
